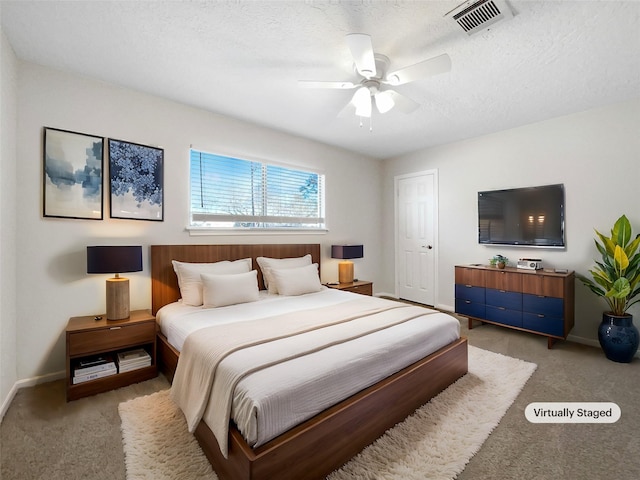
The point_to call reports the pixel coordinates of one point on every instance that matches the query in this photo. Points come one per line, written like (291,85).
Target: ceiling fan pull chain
(360,121)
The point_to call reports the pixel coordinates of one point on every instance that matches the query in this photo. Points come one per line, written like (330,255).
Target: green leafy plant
(498,259)
(617,277)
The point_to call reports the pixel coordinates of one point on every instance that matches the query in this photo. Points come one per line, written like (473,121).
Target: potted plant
(499,261)
(617,279)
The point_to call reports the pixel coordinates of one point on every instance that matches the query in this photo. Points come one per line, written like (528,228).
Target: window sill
(206,231)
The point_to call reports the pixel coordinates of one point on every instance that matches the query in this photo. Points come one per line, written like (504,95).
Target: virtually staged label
(572,412)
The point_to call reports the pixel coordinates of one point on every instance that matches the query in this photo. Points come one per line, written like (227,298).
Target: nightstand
(88,337)
(359,286)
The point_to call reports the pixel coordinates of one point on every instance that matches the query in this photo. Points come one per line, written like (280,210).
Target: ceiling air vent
(476,16)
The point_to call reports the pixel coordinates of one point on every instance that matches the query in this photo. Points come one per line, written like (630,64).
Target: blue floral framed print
(136,181)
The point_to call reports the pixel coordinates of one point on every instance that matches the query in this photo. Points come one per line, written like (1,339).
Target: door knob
(427,246)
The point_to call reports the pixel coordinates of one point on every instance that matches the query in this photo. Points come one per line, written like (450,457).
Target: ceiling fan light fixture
(364,110)
(384,101)
(362,101)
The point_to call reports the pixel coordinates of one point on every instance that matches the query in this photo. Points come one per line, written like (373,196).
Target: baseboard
(8,400)
(445,308)
(49,377)
(584,341)
(28,382)
(590,342)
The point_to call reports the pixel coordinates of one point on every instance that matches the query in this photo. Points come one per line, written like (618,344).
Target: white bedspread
(271,400)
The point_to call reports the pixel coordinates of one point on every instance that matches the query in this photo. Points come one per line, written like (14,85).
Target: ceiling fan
(376,84)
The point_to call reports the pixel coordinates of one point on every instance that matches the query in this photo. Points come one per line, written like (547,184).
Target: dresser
(533,301)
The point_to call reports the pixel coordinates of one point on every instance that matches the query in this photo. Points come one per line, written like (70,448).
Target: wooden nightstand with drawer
(88,338)
(359,286)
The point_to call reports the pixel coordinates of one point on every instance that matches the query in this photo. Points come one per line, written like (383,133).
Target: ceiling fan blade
(314,84)
(362,51)
(356,104)
(426,68)
(349,110)
(401,102)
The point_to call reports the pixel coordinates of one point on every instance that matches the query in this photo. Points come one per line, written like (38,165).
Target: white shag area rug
(436,442)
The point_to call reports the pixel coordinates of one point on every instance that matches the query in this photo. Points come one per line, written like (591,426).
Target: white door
(415,246)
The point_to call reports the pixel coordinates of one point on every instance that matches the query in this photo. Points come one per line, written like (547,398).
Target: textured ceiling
(243,59)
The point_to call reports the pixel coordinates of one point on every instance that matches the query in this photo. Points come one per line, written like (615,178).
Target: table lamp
(116,260)
(346,252)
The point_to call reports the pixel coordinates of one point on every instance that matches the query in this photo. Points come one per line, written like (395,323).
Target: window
(230,193)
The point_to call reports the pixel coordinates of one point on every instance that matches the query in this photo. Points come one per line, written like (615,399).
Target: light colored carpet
(436,442)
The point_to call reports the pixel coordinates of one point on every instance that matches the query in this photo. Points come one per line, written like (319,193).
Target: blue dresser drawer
(470,292)
(501,298)
(504,316)
(543,323)
(469,308)
(549,306)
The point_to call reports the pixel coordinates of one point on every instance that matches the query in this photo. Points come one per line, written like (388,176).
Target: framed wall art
(136,177)
(72,174)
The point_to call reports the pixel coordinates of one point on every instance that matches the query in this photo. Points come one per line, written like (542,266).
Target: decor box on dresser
(95,340)
(534,301)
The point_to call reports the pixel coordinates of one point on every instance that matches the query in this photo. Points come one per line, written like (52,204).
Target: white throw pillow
(297,281)
(267,264)
(190,282)
(222,290)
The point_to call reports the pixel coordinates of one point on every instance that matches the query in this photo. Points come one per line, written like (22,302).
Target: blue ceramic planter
(618,337)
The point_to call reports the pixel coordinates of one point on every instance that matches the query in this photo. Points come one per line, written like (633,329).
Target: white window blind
(233,193)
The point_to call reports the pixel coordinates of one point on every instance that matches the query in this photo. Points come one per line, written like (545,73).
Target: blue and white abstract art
(136,173)
(72,175)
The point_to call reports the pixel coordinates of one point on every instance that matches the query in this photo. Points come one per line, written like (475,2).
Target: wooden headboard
(164,283)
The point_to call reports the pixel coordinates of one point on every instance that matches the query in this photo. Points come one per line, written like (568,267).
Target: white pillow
(221,290)
(297,281)
(190,282)
(267,264)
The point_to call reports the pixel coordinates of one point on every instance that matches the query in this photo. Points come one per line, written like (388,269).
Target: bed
(322,443)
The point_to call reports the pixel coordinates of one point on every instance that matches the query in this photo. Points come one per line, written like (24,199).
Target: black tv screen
(532,216)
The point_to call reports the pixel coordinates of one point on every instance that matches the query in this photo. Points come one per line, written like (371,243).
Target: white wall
(52,280)
(8,189)
(595,154)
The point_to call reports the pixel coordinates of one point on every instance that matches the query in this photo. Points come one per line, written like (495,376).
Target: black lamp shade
(346,251)
(114,259)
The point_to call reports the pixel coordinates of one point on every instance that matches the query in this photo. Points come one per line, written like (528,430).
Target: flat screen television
(531,216)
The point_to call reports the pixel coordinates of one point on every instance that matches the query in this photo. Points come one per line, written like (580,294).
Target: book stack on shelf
(91,368)
(133,360)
